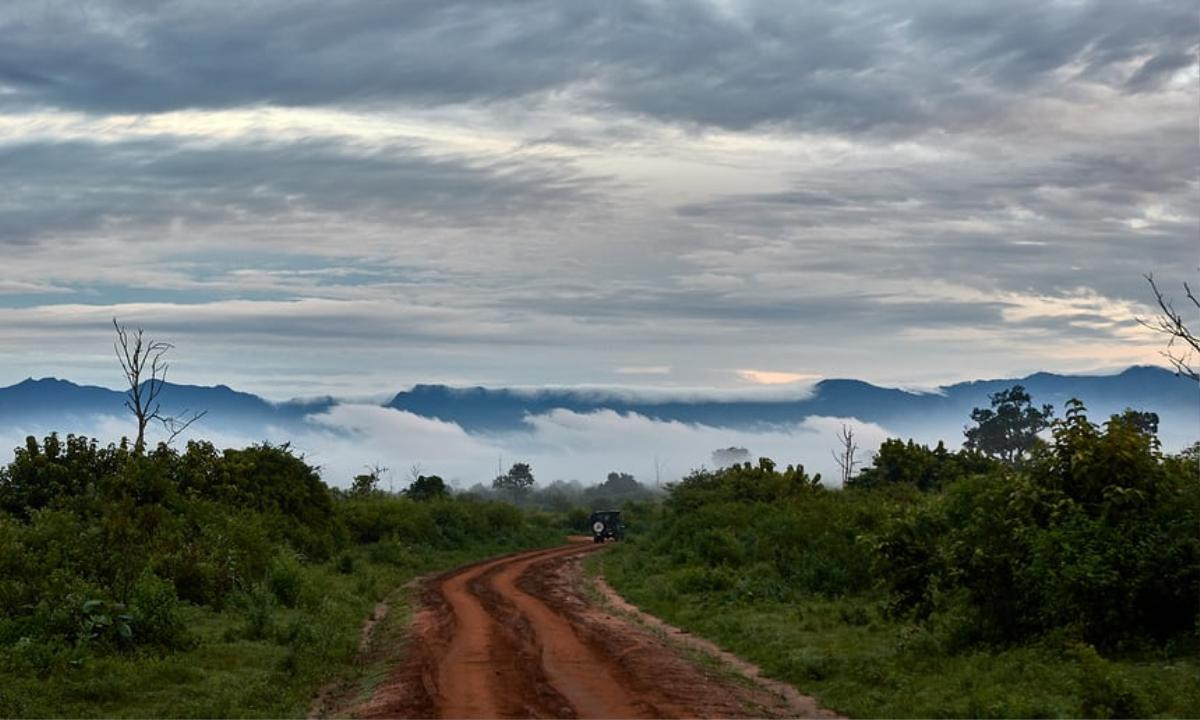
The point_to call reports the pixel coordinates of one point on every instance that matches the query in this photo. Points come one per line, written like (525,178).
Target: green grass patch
(853,658)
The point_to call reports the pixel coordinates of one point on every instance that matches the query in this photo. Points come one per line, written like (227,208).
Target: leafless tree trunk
(1171,324)
(145,372)
(845,459)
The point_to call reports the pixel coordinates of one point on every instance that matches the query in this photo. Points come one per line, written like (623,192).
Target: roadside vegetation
(1051,568)
(1020,577)
(209,583)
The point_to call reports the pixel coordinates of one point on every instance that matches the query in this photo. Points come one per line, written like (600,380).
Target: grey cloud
(1033,220)
(875,67)
(1001,150)
(1158,68)
(56,187)
(1020,43)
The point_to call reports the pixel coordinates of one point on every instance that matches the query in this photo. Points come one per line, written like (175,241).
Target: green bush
(375,519)
(782,538)
(156,614)
(702,580)
(1095,533)
(285,578)
(719,546)
(390,552)
(1104,690)
(114,565)
(577,520)
(258,604)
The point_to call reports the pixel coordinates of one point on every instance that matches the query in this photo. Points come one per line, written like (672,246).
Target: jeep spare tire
(597,527)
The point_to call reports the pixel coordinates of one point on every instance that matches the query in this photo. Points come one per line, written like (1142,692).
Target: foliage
(364,485)
(196,582)
(445,523)
(858,660)
(947,583)
(157,615)
(427,487)
(755,531)
(516,481)
(900,462)
(936,582)
(1008,430)
(252,658)
(1097,535)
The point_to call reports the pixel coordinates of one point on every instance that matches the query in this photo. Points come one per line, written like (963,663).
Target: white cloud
(560,445)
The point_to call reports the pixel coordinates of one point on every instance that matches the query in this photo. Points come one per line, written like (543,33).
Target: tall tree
(427,487)
(145,369)
(1008,430)
(517,480)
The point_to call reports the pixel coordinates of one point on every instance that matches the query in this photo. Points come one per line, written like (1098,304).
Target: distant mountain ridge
(36,402)
(61,404)
(496,410)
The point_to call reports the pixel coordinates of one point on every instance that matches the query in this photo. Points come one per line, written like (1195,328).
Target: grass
(587,587)
(854,659)
(255,658)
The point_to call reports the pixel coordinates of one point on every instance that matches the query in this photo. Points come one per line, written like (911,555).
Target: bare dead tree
(1183,346)
(142,362)
(845,459)
(379,471)
(175,425)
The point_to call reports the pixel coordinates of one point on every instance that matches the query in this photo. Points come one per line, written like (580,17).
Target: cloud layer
(560,445)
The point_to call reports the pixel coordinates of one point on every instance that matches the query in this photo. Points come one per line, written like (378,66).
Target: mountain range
(49,403)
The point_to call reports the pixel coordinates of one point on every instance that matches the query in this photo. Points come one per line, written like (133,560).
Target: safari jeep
(606,524)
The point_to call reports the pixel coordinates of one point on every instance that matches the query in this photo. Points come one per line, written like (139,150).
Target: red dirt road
(516,636)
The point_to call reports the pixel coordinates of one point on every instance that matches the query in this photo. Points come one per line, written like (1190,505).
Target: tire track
(513,636)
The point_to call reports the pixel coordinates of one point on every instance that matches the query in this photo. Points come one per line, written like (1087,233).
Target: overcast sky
(351,197)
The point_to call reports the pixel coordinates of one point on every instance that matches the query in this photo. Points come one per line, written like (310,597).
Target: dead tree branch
(145,370)
(1182,345)
(845,459)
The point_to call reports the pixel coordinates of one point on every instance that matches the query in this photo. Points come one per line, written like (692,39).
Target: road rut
(516,636)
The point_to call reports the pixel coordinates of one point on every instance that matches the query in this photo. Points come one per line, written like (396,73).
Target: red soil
(516,636)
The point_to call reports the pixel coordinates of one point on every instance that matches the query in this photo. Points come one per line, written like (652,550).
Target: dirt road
(518,636)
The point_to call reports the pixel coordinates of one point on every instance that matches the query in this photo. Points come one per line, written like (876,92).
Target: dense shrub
(285,578)
(1096,534)
(1093,537)
(55,471)
(446,522)
(754,532)
(98,545)
(427,487)
(375,519)
(155,613)
(898,462)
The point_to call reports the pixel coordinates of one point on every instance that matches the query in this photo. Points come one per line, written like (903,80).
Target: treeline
(571,497)
(1088,541)
(106,551)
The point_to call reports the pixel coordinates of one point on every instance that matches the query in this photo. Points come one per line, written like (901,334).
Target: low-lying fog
(560,445)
